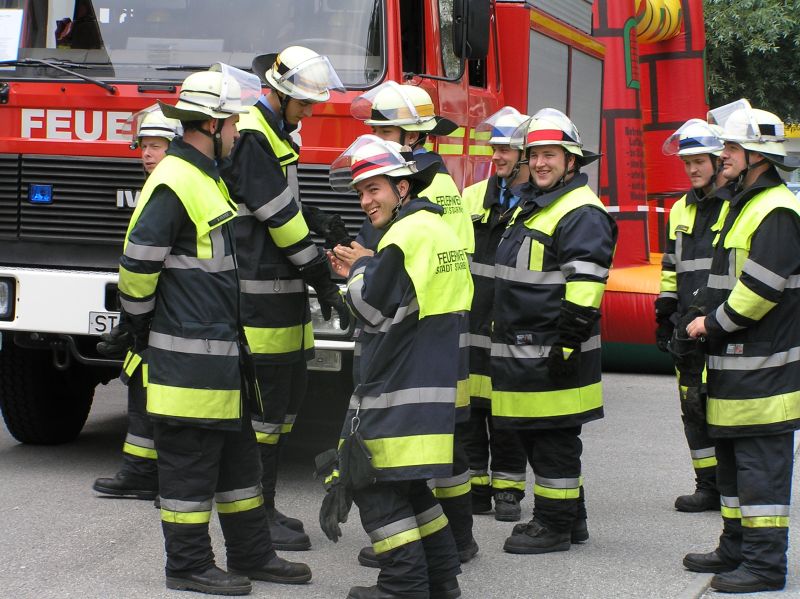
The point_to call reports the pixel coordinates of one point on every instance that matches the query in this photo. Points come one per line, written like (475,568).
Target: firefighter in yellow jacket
(277,257)
(411,297)
(752,333)
(550,273)
(179,294)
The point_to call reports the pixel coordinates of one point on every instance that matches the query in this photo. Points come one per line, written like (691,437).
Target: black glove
(337,502)
(693,404)
(329,226)
(116,343)
(666,315)
(563,364)
(318,275)
(575,323)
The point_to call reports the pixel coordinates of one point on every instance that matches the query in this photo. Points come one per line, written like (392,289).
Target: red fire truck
(73,71)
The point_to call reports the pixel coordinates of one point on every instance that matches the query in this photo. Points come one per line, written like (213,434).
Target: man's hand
(116,343)
(564,363)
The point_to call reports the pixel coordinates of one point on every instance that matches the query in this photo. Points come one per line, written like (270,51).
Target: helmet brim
(263,63)
(785,163)
(422,178)
(586,157)
(438,125)
(187,114)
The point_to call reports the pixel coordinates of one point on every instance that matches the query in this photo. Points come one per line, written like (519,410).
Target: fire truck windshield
(127,40)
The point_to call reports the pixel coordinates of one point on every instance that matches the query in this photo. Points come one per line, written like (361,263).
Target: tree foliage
(753,51)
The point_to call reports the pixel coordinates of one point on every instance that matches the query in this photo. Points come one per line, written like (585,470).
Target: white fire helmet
(497,129)
(151,122)
(551,127)
(218,93)
(406,106)
(695,136)
(299,73)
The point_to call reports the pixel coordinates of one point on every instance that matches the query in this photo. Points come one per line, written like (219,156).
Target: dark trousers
(453,493)
(283,388)
(197,466)
(410,535)
(555,456)
(701,448)
(754,476)
(483,442)
(138,452)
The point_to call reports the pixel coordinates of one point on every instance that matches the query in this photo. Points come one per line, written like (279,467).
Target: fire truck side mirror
(471,29)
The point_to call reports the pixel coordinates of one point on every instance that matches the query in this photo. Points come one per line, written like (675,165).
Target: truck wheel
(42,405)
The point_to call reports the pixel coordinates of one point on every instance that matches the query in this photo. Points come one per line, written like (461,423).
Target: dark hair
(194,125)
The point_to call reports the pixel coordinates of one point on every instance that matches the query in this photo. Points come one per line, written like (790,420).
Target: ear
(754,157)
(412,137)
(571,158)
(403,186)
(210,125)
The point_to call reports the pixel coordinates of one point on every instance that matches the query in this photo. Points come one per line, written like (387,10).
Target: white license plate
(102,322)
(326,359)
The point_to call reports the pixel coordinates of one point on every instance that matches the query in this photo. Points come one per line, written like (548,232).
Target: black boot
(467,552)
(212,581)
(448,589)
(577,536)
(537,538)
(711,562)
(292,523)
(699,501)
(125,484)
(506,507)
(367,558)
(742,581)
(373,592)
(278,570)
(284,538)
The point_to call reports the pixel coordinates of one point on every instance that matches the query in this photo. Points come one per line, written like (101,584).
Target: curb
(697,588)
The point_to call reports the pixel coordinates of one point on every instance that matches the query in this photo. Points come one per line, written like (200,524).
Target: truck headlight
(322,327)
(7,298)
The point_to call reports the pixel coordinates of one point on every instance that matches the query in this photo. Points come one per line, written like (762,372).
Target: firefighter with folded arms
(551,269)
(138,476)
(405,114)
(684,270)
(491,203)
(411,298)
(179,294)
(752,333)
(278,259)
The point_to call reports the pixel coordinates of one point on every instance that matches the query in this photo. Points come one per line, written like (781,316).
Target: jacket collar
(184,151)
(275,122)
(531,197)
(767,179)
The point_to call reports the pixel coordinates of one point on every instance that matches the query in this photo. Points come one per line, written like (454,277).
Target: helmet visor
(312,79)
(695,136)
(368,156)
(249,86)
(499,128)
(150,122)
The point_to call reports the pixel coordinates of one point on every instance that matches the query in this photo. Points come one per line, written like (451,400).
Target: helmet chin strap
(740,179)
(399,204)
(216,138)
(712,182)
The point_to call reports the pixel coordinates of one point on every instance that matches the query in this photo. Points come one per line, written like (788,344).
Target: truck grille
(84,208)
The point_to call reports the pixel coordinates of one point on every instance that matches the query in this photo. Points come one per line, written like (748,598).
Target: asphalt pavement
(59,540)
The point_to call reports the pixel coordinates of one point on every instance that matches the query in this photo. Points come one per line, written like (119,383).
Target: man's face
(504,159)
(296,110)
(229,134)
(548,165)
(153,151)
(393,133)
(734,160)
(700,169)
(378,199)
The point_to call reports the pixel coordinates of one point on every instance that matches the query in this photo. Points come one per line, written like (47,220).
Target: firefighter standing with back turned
(411,298)
(550,273)
(277,257)
(491,203)
(684,271)
(179,294)
(752,333)
(138,476)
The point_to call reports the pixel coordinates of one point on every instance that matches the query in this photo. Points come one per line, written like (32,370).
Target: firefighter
(491,203)
(684,270)
(550,272)
(752,333)
(180,247)
(405,114)
(138,476)
(411,298)
(278,259)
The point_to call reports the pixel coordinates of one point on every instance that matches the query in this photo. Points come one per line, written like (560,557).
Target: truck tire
(42,405)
